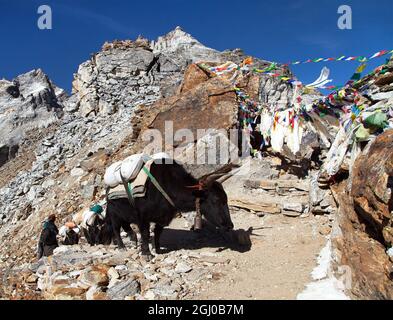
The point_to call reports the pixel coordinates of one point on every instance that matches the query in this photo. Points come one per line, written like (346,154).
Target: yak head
(213,200)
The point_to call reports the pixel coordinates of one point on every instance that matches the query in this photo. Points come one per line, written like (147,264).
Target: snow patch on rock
(326,286)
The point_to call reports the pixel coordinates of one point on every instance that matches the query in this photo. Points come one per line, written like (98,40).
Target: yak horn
(210,178)
(227,176)
(224,178)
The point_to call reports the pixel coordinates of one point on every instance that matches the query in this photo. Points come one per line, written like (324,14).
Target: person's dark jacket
(48,240)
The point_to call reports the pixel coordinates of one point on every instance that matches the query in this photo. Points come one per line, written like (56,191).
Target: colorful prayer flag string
(343,58)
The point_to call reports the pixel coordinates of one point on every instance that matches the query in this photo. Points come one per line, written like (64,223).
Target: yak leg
(157,234)
(145,233)
(131,234)
(87,236)
(117,236)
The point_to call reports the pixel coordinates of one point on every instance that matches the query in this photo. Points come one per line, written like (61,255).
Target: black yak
(184,191)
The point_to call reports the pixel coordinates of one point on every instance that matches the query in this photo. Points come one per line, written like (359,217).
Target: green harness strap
(156,184)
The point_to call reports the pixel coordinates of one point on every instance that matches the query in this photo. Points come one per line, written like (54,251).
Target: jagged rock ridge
(31,100)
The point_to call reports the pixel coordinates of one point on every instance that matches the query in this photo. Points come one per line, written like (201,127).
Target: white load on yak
(129,168)
(126,179)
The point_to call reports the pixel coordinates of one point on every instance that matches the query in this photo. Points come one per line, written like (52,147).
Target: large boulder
(372,185)
(169,124)
(212,102)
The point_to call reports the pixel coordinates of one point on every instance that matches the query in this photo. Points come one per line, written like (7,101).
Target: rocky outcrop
(211,101)
(211,140)
(129,73)
(110,86)
(365,221)
(372,183)
(115,78)
(30,101)
(364,258)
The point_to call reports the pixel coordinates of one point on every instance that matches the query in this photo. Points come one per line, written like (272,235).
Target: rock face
(365,257)
(30,101)
(372,185)
(365,221)
(213,103)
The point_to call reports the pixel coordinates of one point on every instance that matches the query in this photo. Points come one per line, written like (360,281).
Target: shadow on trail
(177,239)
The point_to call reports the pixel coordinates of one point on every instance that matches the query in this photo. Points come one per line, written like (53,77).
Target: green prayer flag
(377,119)
(362,134)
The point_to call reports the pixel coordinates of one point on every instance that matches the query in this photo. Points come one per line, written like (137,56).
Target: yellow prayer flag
(361,68)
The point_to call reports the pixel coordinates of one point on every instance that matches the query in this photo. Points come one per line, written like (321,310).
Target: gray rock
(106,90)
(165,290)
(48,183)
(296,207)
(32,194)
(79,259)
(182,267)
(88,192)
(124,289)
(71,104)
(169,260)
(77,172)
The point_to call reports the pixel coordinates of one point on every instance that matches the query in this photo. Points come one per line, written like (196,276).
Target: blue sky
(276,30)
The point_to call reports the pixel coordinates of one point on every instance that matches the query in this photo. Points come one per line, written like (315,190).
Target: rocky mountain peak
(180,42)
(174,40)
(29,101)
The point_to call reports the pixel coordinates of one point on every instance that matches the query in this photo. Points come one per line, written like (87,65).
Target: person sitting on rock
(48,241)
(69,234)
